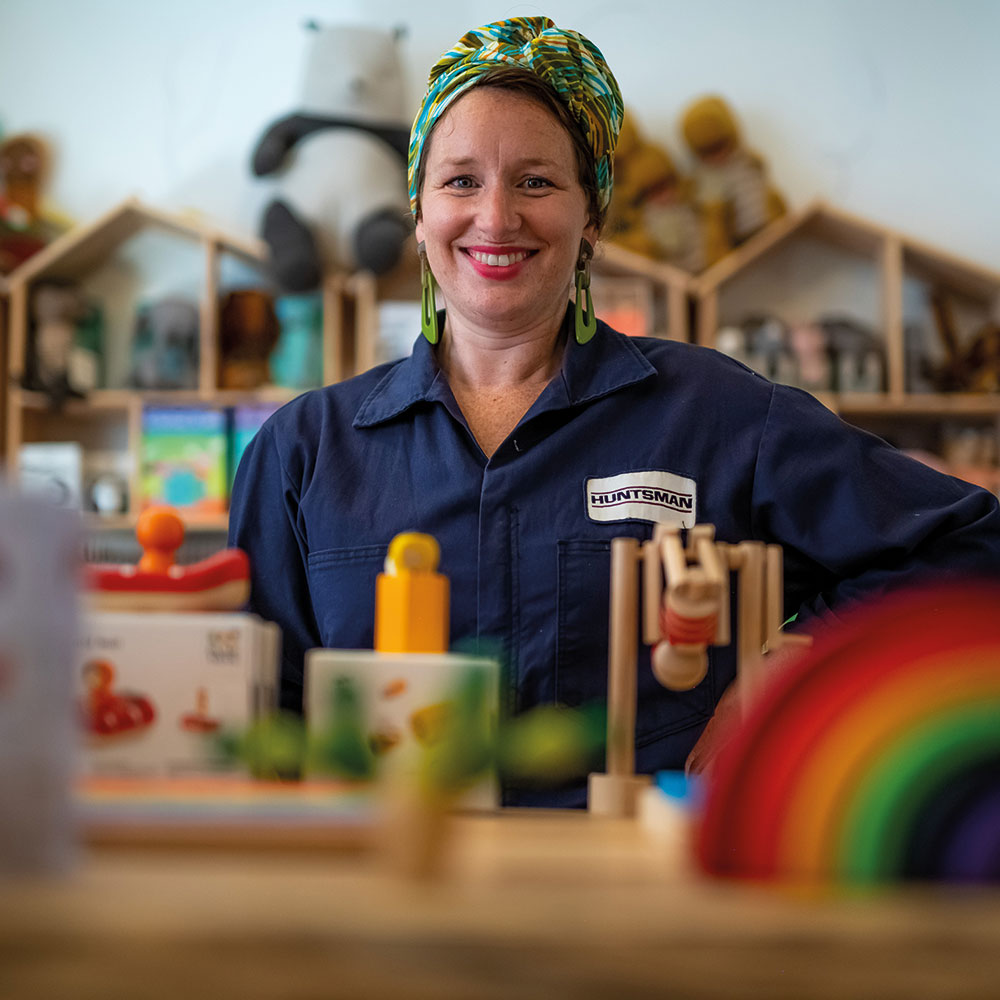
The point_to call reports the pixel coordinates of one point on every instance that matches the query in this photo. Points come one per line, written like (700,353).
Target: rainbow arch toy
(874,757)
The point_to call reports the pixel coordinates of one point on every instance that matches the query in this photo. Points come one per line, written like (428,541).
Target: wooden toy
(219,583)
(411,598)
(875,757)
(685,608)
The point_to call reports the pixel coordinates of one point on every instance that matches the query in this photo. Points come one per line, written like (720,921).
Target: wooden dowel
(623,651)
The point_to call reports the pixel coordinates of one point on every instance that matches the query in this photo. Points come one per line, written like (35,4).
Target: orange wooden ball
(160,532)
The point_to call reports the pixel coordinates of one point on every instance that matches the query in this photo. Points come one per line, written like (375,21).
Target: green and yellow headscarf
(565,60)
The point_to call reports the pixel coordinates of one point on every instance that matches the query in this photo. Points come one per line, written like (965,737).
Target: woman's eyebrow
(528,161)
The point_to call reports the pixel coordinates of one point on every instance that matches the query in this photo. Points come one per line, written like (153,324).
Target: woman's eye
(462,183)
(536,183)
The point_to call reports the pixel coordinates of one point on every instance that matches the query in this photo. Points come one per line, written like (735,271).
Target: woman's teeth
(498,260)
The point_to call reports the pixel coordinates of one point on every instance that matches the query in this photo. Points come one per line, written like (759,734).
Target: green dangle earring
(586,321)
(428,305)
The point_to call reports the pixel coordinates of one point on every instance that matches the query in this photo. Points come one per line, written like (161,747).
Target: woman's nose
(498,212)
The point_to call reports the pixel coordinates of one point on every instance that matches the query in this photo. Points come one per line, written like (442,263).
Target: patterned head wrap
(569,63)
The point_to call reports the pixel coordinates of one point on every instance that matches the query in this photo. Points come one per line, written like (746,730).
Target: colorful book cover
(184,452)
(244,423)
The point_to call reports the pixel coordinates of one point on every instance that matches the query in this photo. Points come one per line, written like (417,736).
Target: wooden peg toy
(412,598)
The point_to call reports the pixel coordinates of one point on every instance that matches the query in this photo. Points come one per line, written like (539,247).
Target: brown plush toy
(248,333)
(652,211)
(731,182)
(24,227)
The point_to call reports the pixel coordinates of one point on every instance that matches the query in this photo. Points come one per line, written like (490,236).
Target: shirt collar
(606,363)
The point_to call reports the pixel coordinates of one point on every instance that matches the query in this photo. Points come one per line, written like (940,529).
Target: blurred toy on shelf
(165,345)
(829,354)
(858,354)
(339,161)
(731,183)
(970,367)
(972,453)
(56,310)
(653,210)
(248,333)
(52,471)
(27,225)
(297,360)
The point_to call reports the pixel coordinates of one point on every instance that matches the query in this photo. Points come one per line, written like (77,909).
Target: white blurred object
(39,552)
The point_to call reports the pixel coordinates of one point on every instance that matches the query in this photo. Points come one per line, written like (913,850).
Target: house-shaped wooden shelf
(109,419)
(881,277)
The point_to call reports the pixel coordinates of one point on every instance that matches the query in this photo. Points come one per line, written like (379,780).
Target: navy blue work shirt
(631,431)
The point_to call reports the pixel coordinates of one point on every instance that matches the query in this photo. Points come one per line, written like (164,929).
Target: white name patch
(650,495)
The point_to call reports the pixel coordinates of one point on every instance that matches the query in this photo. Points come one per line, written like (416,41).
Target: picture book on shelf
(184,458)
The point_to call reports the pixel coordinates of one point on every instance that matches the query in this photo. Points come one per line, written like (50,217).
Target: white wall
(887,108)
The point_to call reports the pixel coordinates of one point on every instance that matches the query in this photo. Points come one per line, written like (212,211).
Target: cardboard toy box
(155,689)
(400,695)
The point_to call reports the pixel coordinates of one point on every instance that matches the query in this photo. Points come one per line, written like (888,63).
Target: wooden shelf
(127,522)
(107,423)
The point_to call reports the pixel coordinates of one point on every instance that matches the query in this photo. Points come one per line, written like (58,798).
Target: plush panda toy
(339,161)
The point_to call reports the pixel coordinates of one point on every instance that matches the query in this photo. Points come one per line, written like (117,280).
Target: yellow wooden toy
(411,598)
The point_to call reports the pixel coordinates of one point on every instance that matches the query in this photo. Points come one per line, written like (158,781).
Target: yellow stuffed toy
(731,183)
(652,211)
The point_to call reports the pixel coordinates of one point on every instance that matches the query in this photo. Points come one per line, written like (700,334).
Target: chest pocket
(582,649)
(342,586)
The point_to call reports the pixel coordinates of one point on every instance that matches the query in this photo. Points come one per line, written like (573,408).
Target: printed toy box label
(402,700)
(155,690)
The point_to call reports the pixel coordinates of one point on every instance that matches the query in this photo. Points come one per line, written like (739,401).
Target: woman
(524,435)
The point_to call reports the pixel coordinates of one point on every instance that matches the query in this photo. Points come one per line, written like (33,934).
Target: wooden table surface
(532,904)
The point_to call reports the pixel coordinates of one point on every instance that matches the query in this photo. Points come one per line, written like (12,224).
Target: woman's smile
(497,263)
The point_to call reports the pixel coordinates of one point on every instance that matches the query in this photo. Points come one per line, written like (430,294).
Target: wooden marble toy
(684,609)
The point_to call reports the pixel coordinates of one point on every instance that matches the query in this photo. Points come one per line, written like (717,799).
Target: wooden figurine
(684,609)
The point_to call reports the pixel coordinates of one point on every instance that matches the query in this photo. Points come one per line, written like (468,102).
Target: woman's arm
(264,522)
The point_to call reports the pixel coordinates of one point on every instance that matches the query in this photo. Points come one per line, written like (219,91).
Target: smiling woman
(518,414)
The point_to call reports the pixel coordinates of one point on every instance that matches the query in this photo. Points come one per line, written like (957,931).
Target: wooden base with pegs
(684,609)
